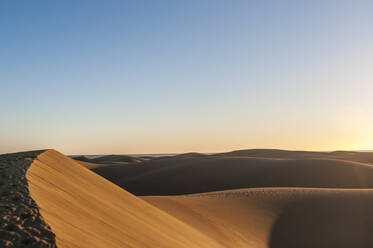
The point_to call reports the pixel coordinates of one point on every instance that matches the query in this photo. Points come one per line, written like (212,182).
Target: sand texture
(21,223)
(278,218)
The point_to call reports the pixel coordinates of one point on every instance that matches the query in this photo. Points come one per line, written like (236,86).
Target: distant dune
(83,158)
(82,209)
(272,153)
(278,218)
(88,162)
(364,157)
(175,176)
(190,155)
(107,160)
(110,159)
(168,156)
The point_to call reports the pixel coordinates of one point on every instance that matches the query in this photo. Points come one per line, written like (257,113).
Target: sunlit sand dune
(278,218)
(81,209)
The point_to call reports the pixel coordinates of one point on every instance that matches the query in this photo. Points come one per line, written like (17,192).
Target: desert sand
(110,159)
(84,210)
(181,175)
(365,157)
(276,200)
(106,160)
(21,222)
(273,217)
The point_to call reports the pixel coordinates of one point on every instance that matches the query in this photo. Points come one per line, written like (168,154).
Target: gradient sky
(175,76)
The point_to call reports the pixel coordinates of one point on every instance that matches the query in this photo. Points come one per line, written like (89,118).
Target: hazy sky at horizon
(177,76)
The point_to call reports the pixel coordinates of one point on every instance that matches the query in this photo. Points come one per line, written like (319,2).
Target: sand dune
(50,200)
(84,210)
(364,157)
(110,159)
(88,162)
(90,165)
(107,160)
(278,218)
(175,176)
(83,158)
(272,153)
(190,155)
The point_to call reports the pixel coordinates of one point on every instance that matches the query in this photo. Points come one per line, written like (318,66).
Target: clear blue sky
(177,76)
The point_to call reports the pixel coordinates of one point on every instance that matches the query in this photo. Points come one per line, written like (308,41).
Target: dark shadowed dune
(190,155)
(83,158)
(272,153)
(213,173)
(87,162)
(116,159)
(364,157)
(110,159)
(182,155)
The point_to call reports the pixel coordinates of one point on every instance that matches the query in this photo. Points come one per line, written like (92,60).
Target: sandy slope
(85,210)
(175,176)
(278,218)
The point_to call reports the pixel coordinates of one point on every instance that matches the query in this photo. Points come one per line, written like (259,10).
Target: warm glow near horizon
(169,77)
